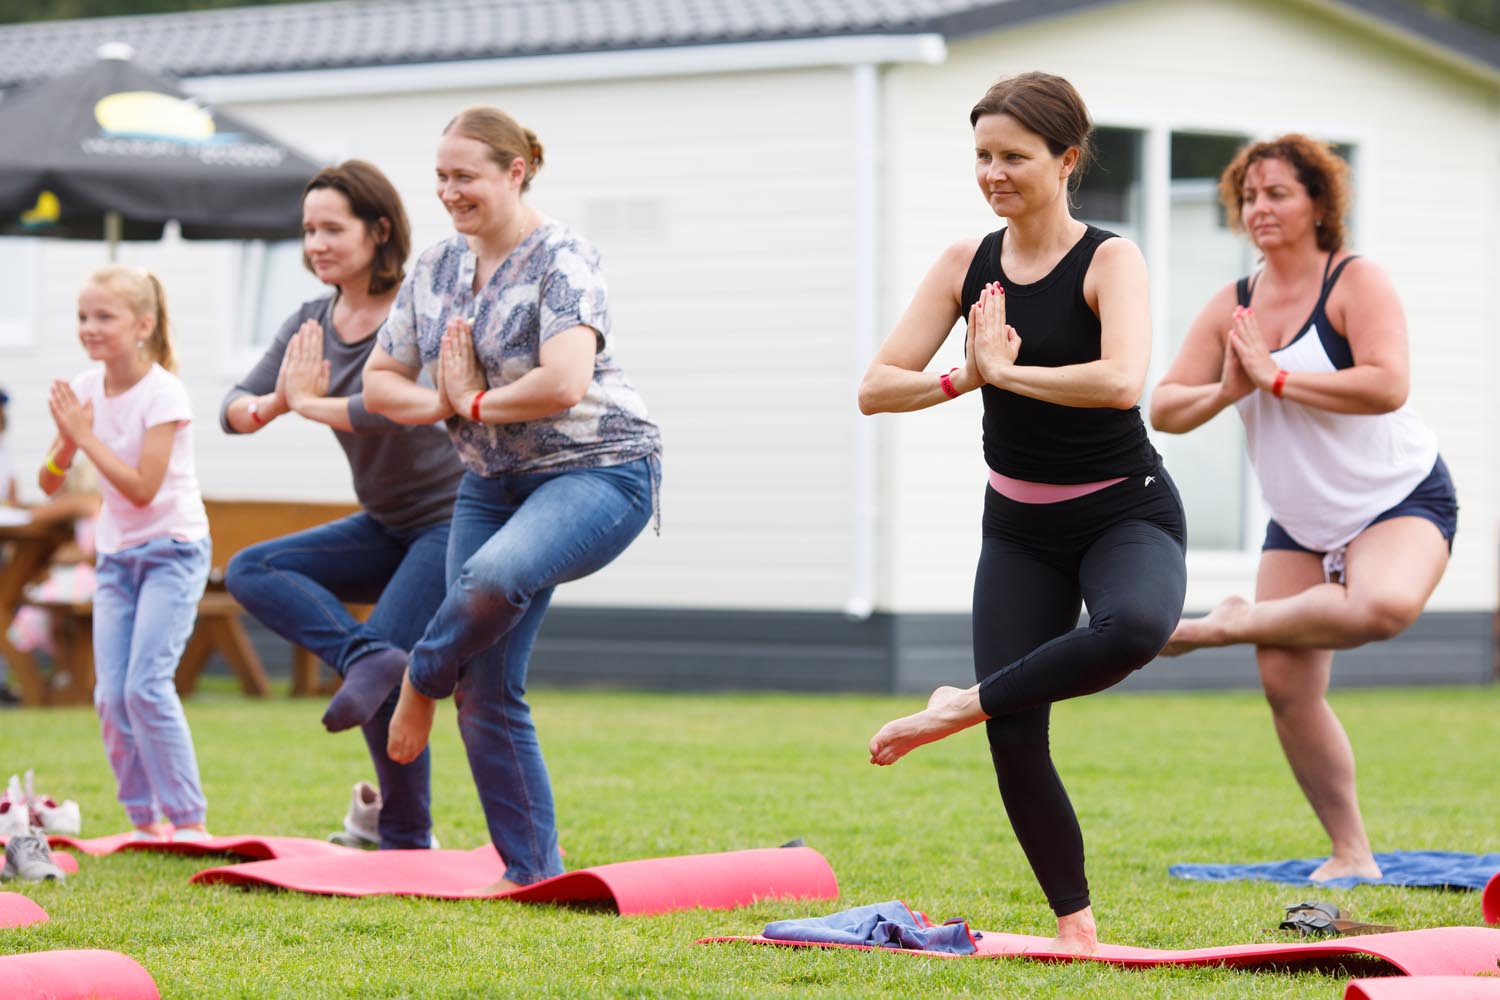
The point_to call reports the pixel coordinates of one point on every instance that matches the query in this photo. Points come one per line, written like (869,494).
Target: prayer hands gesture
(993,345)
(304,371)
(459,375)
(1248,346)
(73,419)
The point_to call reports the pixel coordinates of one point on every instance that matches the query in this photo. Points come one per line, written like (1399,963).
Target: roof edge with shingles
(371,33)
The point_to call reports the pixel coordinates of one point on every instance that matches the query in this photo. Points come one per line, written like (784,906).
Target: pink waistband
(1022,491)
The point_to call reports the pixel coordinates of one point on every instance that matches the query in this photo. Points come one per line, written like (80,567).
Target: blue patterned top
(551,282)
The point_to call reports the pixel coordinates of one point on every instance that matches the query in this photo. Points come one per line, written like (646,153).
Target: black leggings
(1120,551)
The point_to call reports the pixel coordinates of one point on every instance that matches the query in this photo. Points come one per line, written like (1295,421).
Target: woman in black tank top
(1079,510)
(1312,352)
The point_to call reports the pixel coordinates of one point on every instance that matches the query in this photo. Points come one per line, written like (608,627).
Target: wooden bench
(234,525)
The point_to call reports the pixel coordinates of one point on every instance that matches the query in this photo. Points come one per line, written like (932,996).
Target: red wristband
(945,381)
(474,406)
(1280,383)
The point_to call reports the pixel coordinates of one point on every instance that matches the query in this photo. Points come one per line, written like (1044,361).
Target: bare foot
(1346,867)
(949,710)
(1077,934)
(411,724)
(497,887)
(1196,633)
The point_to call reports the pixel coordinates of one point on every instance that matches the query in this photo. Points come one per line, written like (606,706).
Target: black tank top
(1041,442)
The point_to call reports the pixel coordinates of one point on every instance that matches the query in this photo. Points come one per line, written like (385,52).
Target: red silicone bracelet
(474,406)
(945,381)
(1280,383)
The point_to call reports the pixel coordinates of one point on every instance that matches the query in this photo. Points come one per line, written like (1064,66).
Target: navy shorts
(1434,499)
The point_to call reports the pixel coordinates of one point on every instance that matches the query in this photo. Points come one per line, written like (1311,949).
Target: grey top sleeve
(262,378)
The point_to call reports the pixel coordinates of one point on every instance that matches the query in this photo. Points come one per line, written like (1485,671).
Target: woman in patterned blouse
(510,319)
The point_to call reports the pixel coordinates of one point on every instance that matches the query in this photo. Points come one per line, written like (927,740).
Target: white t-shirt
(121,422)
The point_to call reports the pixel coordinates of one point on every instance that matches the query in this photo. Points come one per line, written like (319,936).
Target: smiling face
(1016,170)
(1275,207)
(108,328)
(338,246)
(482,199)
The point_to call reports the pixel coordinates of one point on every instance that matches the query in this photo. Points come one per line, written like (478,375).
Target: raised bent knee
(1137,633)
(1385,617)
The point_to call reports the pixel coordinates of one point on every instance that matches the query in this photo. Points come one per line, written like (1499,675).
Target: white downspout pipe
(865,311)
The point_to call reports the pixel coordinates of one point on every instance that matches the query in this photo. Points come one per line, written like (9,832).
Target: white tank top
(1325,476)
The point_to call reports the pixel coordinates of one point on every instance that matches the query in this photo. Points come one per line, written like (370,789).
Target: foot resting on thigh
(1196,633)
(949,710)
(1077,934)
(1351,866)
(367,684)
(410,725)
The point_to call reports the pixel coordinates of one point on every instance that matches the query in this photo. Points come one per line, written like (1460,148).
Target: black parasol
(113,152)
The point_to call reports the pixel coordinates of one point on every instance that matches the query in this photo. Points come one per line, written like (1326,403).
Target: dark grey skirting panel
(692,650)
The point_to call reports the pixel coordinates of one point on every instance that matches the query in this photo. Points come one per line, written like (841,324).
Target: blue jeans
(514,539)
(145,604)
(297,585)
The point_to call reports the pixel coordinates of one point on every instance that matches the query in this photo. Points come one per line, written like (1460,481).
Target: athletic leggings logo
(1150,480)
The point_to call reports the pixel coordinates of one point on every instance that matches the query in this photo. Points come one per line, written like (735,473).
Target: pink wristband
(945,381)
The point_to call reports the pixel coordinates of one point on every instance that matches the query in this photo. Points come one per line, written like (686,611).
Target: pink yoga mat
(1425,988)
(253,848)
(1437,951)
(1491,902)
(17,910)
(655,885)
(75,975)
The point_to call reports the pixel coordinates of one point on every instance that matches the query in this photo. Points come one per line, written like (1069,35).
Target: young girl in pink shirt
(132,418)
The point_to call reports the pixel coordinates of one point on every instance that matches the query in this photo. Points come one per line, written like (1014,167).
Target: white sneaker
(15,817)
(191,836)
(362,821)
(48,815)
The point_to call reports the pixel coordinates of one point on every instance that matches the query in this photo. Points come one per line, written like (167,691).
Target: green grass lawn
(1155,778)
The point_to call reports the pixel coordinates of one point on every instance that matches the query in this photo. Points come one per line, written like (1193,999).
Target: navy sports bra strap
(1330,280)
(1242,291)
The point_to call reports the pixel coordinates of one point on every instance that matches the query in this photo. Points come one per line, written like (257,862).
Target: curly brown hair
(1319,169)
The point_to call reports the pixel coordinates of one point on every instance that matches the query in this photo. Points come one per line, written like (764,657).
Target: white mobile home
(767,183)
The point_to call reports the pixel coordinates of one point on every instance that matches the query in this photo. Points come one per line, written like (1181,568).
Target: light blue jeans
(514,539)
(145,605)
(296,586)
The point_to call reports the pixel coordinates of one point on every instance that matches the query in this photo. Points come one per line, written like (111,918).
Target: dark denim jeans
(514,539)
(297,586)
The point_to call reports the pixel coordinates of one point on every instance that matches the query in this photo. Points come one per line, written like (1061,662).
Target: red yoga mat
(1437,951)
(1424,988)
(253,848)
(1491,902)
(17,910)
(75,975)
(654,885)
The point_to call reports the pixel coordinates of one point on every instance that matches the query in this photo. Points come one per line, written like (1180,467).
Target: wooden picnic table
(25,552)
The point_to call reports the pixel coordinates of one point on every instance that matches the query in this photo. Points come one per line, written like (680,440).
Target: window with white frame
(18,292)
(273,284)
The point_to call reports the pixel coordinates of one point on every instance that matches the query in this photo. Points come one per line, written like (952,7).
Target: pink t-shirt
(121,422)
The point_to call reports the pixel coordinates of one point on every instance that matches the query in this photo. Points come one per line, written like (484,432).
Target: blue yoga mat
(1436,869)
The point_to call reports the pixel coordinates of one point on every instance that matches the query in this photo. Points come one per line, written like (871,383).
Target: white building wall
(1428,148)
(722,207)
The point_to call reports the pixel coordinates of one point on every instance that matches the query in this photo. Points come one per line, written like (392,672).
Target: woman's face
(1275,207)
(108,328)
(339,247)
(481,198)
(1016,171)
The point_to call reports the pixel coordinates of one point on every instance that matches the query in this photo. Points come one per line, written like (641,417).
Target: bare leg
(411,724)
(1391,570)
(1316,746)
(949,710)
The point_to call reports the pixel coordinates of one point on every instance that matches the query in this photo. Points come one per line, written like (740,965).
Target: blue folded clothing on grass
(882,925)
(1435,869)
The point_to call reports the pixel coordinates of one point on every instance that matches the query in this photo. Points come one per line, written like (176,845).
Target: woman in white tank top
(1312,351)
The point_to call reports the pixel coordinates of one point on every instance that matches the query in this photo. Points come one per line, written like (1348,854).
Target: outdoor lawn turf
(1155,778)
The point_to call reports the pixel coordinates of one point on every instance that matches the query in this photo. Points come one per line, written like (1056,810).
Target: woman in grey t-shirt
(355,237)
(511,317)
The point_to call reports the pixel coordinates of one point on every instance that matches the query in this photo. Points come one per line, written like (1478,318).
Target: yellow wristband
(52,467)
